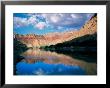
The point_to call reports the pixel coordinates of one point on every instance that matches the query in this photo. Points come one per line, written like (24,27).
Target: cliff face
(32,40)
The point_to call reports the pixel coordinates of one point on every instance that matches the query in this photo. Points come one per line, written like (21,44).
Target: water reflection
(41,68)
(39,62)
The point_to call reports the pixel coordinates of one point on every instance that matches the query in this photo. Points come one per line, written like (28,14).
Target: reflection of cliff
(48,57)
(33,56)
(32,40)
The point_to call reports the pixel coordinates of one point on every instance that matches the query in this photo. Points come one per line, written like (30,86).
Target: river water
(40,62)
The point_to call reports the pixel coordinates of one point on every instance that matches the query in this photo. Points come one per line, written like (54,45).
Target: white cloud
(55,18)
(18,22)
(74,16)
(40,25)
(77,16)
(67,22)
(63,19)
(44,15)
(32,20)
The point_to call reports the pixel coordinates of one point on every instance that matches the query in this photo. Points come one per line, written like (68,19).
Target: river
(41,62)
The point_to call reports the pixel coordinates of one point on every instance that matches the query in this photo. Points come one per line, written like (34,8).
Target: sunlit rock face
(32,40)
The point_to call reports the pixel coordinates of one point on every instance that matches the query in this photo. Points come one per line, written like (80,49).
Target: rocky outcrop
(32,40)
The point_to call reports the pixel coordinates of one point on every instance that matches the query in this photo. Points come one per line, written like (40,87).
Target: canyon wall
(33,40)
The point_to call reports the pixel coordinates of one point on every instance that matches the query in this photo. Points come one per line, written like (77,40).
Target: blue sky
(43,23)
